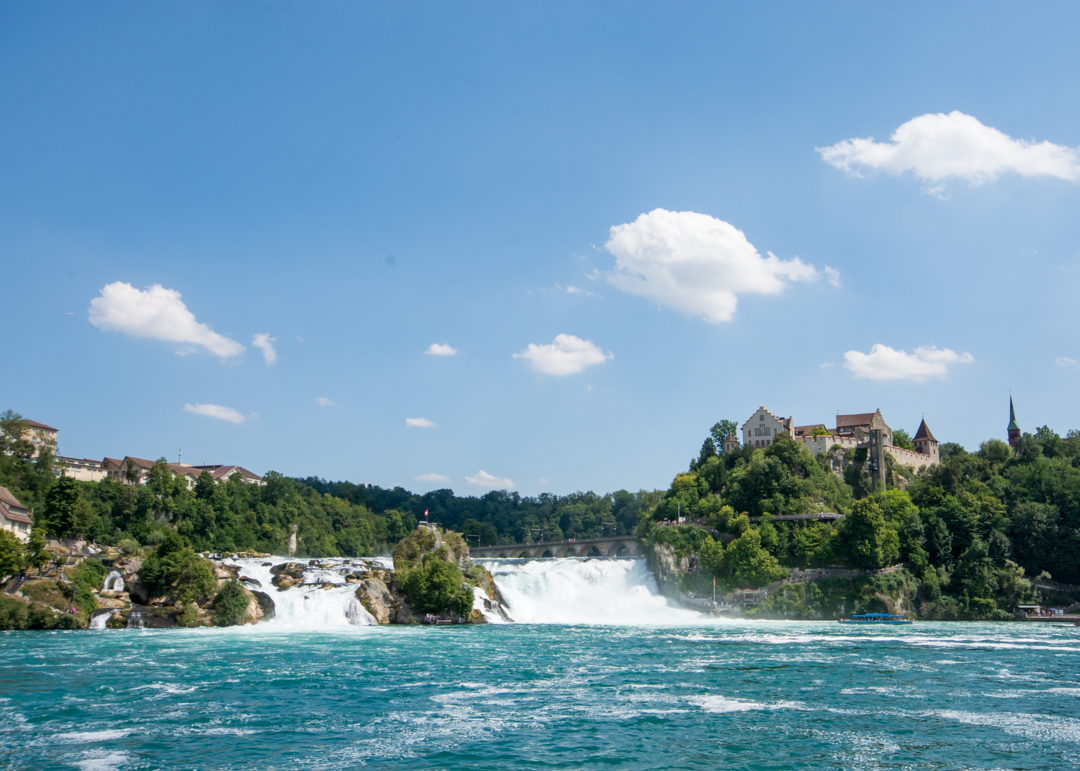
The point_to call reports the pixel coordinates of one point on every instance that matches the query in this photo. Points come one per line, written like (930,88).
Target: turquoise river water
(705,695)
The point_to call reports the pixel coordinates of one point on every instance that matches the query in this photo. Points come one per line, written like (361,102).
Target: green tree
(437,586)
(34,554)
(708,450)
(750,564)
(722,431)
(13,436)
(230,604)
(975,571)
(61,514)
(866,540)
(902,439)
(11,552)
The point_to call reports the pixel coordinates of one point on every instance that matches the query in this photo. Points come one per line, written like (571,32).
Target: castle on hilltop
(865,430)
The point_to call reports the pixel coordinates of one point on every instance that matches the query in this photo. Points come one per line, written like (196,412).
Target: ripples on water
(726,695)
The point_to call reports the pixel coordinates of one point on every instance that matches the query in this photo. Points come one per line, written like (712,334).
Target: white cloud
(440,478)
(322,401)
(440,349)
(543,481)
(566,355)
(938,147)
(157,313)
(265,343)
(216,411)
(484,479)
(418,423)
(832,275)
(1065,361)
(826,365)
(884,363)
(695,263)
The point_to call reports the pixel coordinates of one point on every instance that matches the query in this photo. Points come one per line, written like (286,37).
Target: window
(761,417)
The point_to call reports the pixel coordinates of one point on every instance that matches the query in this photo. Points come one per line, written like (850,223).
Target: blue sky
(362,181)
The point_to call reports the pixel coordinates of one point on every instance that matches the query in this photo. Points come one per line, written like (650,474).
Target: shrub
(230,604)
(437,586)
(129,546)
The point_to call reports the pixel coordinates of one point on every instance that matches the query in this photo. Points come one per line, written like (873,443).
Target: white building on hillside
(851,432)
(762,428)
(14,517)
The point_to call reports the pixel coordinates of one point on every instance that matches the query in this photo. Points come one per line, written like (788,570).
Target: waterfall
(113,582)
(100,619)
(324,599)
(584,591)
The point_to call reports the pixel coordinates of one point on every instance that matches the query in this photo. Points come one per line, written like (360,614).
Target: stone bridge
(614,546)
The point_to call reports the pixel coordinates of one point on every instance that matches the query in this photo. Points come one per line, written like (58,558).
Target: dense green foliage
(975,533)
(501,517)
(230,604)
(437,586)
(174,566)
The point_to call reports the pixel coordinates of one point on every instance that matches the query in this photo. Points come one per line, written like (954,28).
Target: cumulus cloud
(216,411)
(419,423)
(322,401)
(695,263)
(440,478)
(484,479)
(440,349)
(1065,361)
(885,363)
(832,275)
(938,147)
(157,313)
(565,355)
(265,343)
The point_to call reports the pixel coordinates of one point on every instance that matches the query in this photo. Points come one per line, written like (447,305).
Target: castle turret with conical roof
(925,442)
(1014,427)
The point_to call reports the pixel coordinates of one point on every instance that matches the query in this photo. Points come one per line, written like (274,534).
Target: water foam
(324,599)
(584,591)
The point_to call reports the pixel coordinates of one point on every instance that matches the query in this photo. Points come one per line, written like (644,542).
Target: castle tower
(1014,428)
(925,442)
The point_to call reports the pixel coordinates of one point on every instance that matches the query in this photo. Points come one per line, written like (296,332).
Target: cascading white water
(584,591)
(113,582)
(101,620)
(310,605)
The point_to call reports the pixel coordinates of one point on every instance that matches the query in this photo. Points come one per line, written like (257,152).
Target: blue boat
(876,618)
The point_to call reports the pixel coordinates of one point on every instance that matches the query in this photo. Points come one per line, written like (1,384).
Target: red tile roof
(924,433)
(861,419)
(35,424)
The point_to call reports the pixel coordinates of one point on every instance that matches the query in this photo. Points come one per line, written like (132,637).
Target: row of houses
(859,430)
(129,470)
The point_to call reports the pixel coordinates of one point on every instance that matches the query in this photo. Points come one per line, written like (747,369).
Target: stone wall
(909,458)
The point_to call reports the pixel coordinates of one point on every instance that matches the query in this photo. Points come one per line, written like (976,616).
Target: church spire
(1014,427)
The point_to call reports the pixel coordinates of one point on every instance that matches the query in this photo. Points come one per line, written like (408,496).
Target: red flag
(425,513)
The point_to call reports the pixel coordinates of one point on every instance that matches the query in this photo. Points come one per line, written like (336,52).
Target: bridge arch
(547,553)
(524,555)
(618,549)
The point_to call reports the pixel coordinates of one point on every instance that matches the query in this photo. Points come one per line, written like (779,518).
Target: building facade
(14,517)
(82,469)
(762,428)
(864,430)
